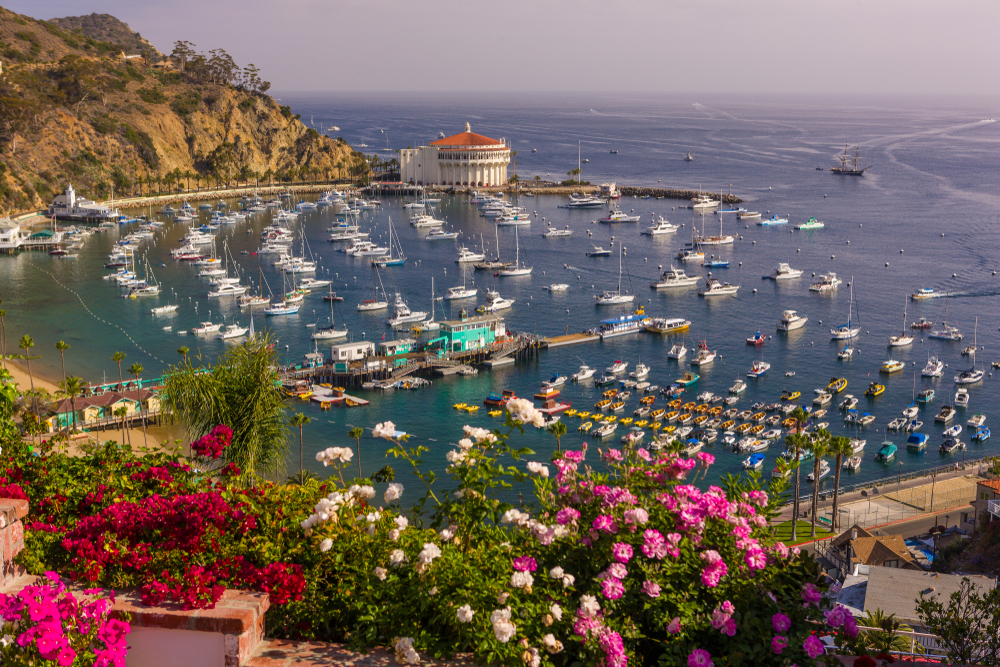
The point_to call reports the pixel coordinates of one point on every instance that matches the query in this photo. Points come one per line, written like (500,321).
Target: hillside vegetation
(106,28)
(72,110)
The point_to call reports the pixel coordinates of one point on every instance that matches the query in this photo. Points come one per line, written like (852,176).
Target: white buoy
(900,251)
(833,257)
(954,275)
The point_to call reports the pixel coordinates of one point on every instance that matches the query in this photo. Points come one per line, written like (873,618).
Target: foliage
(151,95)
(886,638)
(54,627)
(968,624)
(143,144)
(242,391)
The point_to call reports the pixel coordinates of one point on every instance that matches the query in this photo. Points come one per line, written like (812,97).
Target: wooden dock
(571,339)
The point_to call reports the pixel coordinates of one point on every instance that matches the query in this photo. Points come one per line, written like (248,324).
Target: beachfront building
(11,235)
(470,333)
(987,502)
(70,206)
(92,409)
(465,158)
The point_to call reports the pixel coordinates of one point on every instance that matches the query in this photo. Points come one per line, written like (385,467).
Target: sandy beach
(155,436)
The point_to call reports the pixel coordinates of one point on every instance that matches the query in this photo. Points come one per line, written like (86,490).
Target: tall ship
(849,165)
(70,206)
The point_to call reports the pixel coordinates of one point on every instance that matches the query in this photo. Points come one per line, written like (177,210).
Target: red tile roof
(990,484)
(467,139)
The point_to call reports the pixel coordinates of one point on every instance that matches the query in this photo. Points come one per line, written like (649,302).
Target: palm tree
(120,413)
(26,344)
(558,430)
(183,351)
(795,446)
(62,347)
(839,447)
(136,371)
(3,337)
(886,639)
(72,387)
(298,420)
(119,357)
(819,445)
(356,433)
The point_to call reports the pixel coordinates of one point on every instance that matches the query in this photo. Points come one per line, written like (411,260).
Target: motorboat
(553,232)
(460,292)
(617,367)
(557,287)
(846,353)
(678,351)
(748,215)
(466,256)
(703,202)
(922,323)
(675,277)
(599,251)
(853,464)
(824,470)
(402,314)
(827,282)
(923,293)
(754,462)
(784,272)
(977,419)
(641,372)
(585,201)
(232,331)
(281,308)
(668,325)
(757,339)
(555,381)
(791,320)
(945,415)
(934,368)
(849,402)
(823,397)
(605,430)
(811,223)
(739,387)
(618,216)
(874,389)
(891,366)
(886,452)
(925,396)
(962,398)
(837,385)
(228,289)
(704,356)
(917,442)
(422,221)
(660,227)
(773,221)
(758,369)
(164,310)
(495,302)
(951,445)
(691,255)
(714,287)
(206,328)
(585,373)
(982,434)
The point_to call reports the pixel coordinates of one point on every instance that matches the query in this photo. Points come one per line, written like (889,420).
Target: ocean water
(925,215)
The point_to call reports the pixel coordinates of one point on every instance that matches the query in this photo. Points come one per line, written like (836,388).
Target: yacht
(599,251)
(495,302)
(704,356)
(790,320)
(228,289)
(668,325)
(675,278)
(402,314)
(232,331)
(585,373)
(281,308)
(758,369)
(438,234)
(947,332)
(460,292)
(962,397)
(313,283)
(163,310)
(585,201)
(934,368)
(466,256)
(619,216)
(784,272)
(901,340)
(703,202)
(715,288)
(849,330)
(691,255)
(557,287)
(206,328)
(422,221)
(617,367)
(660,227)
(827,283)
(678,351)
(552,232)
(372,304)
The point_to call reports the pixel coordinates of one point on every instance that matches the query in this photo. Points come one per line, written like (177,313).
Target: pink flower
(614,649)
(642,453)
(836,617)
(756,559)
(811,594)
(651,588)
(781,623)
(613,455)
(706,458)
(715,570)
(700,658)
(567,515)
(729,628)
(674,626)
(66,657)
(612,588)
(655,546)
(525,564)
(622,552)
(813,646)
(636,516)
(851,626)
(778,644)
(606,523)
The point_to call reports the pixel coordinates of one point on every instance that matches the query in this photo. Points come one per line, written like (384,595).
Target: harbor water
(924,215)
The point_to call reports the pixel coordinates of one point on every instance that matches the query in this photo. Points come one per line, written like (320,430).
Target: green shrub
(185,105)
(143,144)
(152,95)
(103,124)
(247,104)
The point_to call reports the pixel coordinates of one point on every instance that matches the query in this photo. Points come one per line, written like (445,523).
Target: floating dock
(571,339)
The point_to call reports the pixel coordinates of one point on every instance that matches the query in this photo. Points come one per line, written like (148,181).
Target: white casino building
(466,158)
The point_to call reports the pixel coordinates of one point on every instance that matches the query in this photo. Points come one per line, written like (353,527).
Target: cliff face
(90,118)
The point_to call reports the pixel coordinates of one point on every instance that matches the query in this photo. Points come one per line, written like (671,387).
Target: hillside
(106,28)
(73,111)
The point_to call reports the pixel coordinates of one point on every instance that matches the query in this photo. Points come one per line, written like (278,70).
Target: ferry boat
(790,320)
(924,293)
(715,288)
(669,325)
(704,355)
(626,323)
(827,283)
(675,277)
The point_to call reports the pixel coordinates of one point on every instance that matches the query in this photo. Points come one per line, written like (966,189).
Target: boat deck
(571,339)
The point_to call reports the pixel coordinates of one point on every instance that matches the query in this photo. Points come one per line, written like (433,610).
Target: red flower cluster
(12,491)
(210,446)
(153,474)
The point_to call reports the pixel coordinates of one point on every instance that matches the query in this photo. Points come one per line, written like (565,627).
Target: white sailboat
(327,333)
(849,330)
(430,324)
(615,297)
(375,303)
(461,291)
(972,375)
(904,338)
(519,268)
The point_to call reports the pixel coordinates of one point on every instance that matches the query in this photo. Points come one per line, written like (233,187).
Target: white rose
(401,523)
(380,572)
(446,534)
(397,557)
(552,645)
(556,572)
(465,444)
(465,613)
(521,579)
(429,553)
(393,492)
(556,611)
(589,605)
(326,545)
(366,492)
(384,430)
(394,534)
(568,580)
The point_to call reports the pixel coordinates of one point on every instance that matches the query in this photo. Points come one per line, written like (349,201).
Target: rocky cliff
(72,110)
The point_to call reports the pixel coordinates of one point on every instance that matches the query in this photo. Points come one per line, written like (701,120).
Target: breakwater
(629,191)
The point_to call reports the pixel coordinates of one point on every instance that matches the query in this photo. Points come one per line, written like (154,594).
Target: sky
(856,47)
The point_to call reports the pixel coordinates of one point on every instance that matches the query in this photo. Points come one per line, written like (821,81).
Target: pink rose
(813,646)
(781,623)
(700,658)
(674,626)
(652,589)
(778,644)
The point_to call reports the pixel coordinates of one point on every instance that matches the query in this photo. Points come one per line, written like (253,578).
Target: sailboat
(615,297)
(331,332)
(495,263)
(519,268)
(946,332)
(849,330)
(389,260)
(904,338)
(429,325)
(721,239)
(972,375)
(461,291)
(374,303)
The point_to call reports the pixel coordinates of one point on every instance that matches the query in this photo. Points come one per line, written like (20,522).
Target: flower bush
(45,624)
(622,555)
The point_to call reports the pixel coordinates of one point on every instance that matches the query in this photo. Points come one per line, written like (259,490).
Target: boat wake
(964,294)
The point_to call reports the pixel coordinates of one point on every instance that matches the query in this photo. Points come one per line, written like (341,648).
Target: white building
(351,351)
(11,235)
(466,158)
(69,206)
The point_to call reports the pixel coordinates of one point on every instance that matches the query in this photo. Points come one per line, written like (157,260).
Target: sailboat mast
(620,248)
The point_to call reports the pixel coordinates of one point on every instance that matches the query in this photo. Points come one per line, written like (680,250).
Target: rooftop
(467,138)
(993,484)
(478,319)
(896,591)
